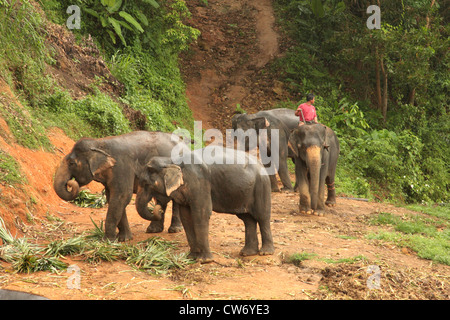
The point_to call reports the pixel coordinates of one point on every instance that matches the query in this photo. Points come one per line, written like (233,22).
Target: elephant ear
(261,123)
(173,178)
(326,142)
(99,162)
(292,142)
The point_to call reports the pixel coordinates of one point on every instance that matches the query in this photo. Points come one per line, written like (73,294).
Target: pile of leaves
(87,199)
(154,255)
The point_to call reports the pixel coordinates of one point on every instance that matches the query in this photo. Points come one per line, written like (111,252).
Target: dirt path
(339,236)
(226,67)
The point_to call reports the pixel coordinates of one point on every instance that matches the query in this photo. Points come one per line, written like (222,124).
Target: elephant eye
(72,163)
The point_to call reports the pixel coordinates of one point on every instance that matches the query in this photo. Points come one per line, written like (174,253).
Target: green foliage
(147,21)
(27,131)
(153,255)
(429,237)
(399,157)
(153,86)
(297,258)
(113,19)
(103,113)
(86,199)
(9,170)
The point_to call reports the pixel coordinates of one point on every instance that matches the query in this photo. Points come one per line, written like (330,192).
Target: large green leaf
(317,8)
(117,29)
(112,35)
(141,16)
(153,3)
(114,5)
(91,12)
(131,20)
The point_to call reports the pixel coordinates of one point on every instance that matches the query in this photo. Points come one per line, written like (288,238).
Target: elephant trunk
(143,197)
(64,187)
(314,166)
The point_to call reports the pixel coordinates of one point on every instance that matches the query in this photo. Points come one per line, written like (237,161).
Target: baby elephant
(227,181)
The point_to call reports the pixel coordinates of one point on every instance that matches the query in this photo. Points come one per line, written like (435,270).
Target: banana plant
(113,19)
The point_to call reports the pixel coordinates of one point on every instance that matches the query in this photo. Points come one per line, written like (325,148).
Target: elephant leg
(186,220)
(267,247)
(296,180)
(196,226)
(303,188)
(320,210)
(116,216)
(283,172)
(251,239)
(175,225)
(124,228)
(331,196)
(274,183)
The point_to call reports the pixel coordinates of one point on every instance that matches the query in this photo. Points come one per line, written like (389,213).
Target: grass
(427,235)
(154,255)
(9,170)
(298,257)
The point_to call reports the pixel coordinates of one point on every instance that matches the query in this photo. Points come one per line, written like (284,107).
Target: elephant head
(250,125)
(249,121)
(86,162)
(159,176)
(308,143)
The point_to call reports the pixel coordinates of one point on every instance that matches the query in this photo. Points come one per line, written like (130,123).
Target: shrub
(103,113)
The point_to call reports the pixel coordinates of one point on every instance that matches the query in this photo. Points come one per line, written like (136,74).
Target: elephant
(198,187)
(285,115)
(113,161)
(316,150)
(283,120)
(6,294)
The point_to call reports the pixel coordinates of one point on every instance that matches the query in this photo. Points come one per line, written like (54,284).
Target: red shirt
(309,112)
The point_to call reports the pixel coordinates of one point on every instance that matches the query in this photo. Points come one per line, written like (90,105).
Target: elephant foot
(202,257)
(290,190)
(245,252)
(124,237)
(276,189)
(330,203)
(319,213)
(155,227)
(266,250)
(308,212)
(175,229)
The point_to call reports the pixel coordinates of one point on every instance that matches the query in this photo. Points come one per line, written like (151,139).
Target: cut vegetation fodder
(154,255)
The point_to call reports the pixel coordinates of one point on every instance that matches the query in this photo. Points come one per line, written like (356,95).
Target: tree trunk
(385,91)
(411,97)
(428,17)
(377,79)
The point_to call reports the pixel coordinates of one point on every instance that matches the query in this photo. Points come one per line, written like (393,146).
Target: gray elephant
(283,120)
(198,186)
(6,294)
(316,149)
(113,162)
